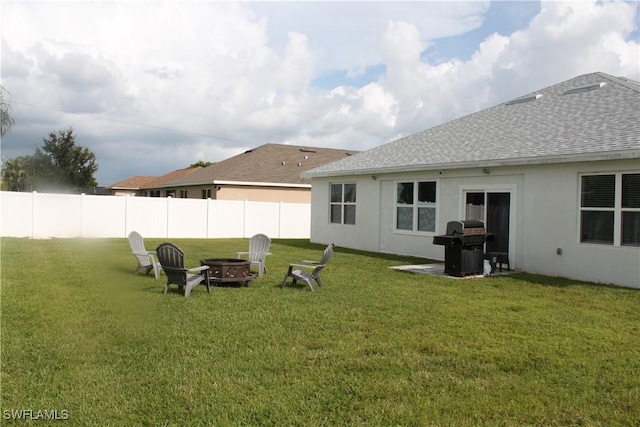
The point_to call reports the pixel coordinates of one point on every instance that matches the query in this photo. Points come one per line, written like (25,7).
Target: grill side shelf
(447,240)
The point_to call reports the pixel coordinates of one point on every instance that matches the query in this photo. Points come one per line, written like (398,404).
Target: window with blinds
(631,209)
(610,209)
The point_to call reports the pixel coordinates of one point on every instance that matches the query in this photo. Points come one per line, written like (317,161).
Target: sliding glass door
(494,209)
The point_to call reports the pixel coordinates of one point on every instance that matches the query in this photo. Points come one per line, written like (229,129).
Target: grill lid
(469,226)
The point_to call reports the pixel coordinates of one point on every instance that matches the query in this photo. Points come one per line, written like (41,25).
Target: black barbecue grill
(463,247)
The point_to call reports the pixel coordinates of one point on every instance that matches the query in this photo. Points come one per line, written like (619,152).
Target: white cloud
(297,66)
(563,41)
(345,35)
(245,72)
(567,39)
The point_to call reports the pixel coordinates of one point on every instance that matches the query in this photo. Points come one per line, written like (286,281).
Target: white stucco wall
(363,235)
(551,209)
(544,218)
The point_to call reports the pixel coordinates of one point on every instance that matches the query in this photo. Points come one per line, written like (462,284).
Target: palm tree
(6,121)
(15,175)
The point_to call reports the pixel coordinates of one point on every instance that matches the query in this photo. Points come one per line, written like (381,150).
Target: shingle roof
(175,175)
(597,121)
(269,163)
(141,182)
(133,183)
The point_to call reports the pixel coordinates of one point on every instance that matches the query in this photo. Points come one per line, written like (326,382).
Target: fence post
(244,219)
(82,215)
(168,215)
(208,213)
(126,215)
(34,217)
(279,219)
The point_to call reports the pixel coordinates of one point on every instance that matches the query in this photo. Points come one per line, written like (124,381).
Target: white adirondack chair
(146,259)
(313,269)
(258,250)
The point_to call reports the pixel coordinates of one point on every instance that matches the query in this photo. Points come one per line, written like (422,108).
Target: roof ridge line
(628,83)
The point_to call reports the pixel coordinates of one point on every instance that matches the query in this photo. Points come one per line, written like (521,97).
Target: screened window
(610,209)
(183,194)
(206,193)
(416,206)
(343,204)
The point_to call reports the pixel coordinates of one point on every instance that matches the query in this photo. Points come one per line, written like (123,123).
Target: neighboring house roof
(143,182)
(163,180)
(590,117)
(133,183)
(268,165)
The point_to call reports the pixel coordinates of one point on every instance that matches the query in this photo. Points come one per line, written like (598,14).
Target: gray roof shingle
(597,122)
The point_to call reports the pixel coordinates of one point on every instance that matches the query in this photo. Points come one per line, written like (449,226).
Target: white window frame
(343,204)
(416,207)
(617,209)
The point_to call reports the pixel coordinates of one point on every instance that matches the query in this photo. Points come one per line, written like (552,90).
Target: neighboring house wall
(264,194)
(544,217)
(235,192)
(116,192)
(184,192)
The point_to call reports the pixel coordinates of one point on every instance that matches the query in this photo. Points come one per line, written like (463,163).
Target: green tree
(200,164)
(6,121)
(61,165)
(16,174)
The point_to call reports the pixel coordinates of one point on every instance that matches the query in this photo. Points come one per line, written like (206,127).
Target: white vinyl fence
(42,215)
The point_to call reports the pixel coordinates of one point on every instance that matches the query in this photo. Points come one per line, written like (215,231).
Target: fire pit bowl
(228,270)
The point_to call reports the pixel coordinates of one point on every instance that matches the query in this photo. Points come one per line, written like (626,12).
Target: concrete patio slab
(438,270)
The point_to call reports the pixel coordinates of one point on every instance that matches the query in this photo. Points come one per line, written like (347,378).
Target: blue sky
(177,82)
(503,17)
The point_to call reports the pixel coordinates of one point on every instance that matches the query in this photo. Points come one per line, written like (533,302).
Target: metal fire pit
(228,270)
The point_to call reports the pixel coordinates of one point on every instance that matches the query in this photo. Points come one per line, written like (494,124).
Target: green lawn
(374,347)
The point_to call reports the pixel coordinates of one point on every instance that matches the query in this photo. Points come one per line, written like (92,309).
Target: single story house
(147,186)
(555,175)
(268,173)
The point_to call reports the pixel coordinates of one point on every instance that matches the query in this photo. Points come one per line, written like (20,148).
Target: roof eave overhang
(261,184)
(183,184)
(237,183)
(523,161)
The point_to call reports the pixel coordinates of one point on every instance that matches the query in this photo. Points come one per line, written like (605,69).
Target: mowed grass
(373,347)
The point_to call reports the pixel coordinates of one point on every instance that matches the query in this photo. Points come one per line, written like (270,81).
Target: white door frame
(511,189)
